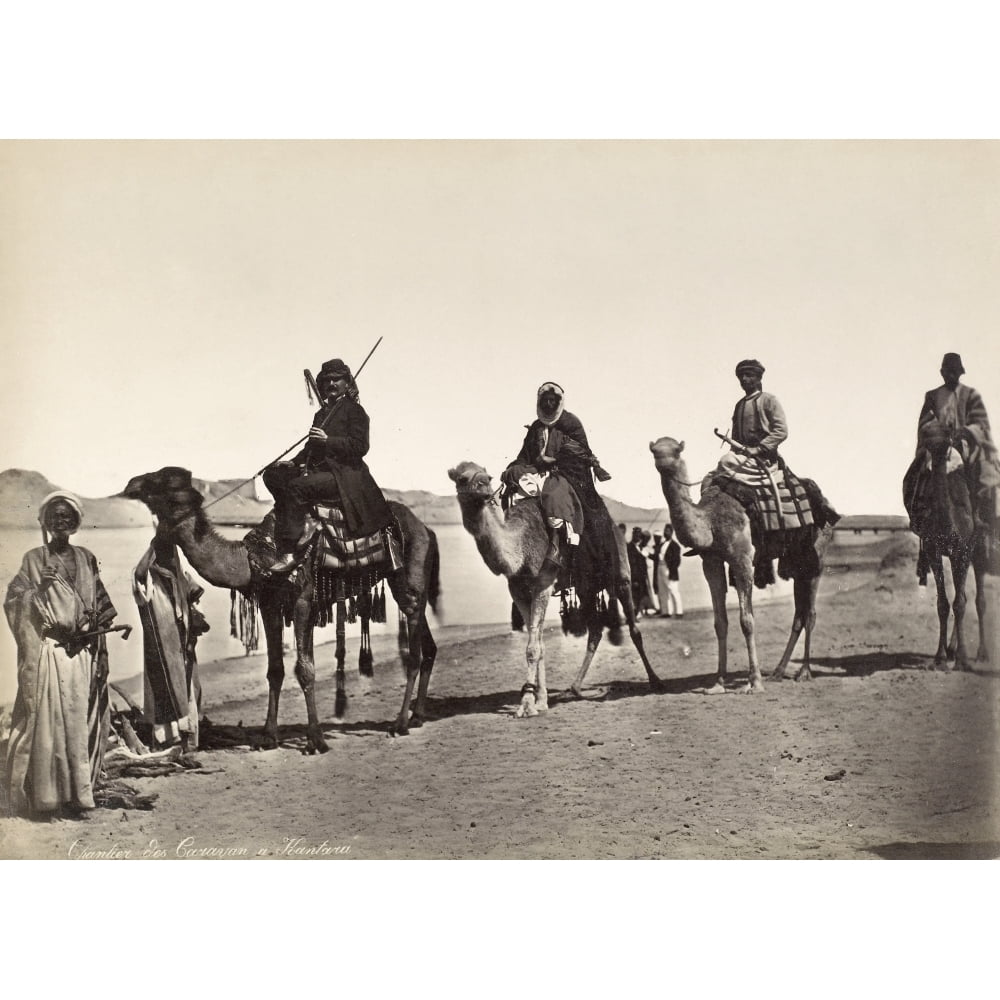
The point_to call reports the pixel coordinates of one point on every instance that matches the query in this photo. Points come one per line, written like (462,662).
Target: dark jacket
(672,559)
(567,444)
(365,507)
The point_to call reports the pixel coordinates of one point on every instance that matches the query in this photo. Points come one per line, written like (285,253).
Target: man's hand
(317,434)
(49,573)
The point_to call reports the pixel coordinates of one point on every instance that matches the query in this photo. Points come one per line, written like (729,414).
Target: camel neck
(221,562)
(688,520)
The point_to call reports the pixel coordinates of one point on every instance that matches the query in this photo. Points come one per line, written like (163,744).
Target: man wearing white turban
(60,721)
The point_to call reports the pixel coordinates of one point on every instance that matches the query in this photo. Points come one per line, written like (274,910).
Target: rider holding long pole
(330,469)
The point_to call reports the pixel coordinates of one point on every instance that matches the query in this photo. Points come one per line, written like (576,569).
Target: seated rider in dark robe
(330,469)
(556,446)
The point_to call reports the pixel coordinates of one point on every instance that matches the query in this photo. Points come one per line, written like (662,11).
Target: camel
(180,518)
(948,529)
(515,546)
(718,529)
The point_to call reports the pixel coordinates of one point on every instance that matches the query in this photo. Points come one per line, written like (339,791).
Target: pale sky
(159,300)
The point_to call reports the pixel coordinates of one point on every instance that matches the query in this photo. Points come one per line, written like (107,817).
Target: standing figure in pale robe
(61,716)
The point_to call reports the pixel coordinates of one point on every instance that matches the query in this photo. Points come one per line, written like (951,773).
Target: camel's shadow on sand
(504,703)
(866,664)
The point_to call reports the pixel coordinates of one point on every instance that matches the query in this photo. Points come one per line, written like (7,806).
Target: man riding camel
(555,463)
(958,412)
(759,428)
(329,469)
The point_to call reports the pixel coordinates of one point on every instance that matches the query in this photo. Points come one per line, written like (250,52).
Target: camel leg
(595,632)
(755,682)
(428,651)
(943,609)
(983,654)
(959,574)
(408,638)
(810,589)
(305,670)
(270,613)
(628,603)
(715,574)
(534,698)
(805,618)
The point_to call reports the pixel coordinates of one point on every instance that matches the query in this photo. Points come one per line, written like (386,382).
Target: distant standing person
(669,575)
(171,623)
(61,716)
(638,564)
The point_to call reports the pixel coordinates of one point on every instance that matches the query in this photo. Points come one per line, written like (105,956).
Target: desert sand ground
(880,756)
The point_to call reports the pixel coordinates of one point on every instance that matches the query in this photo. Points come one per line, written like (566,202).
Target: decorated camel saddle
(329,548)
(784,509)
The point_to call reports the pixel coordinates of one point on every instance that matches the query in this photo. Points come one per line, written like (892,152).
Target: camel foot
(717,688)
(267,740)
(752,686)
(416,722)
(804,674)
(983,656)
(526,710)
(315,745)
(778,674)
(398,728)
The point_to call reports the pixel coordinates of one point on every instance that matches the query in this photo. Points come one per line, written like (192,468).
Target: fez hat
(749,365)
(953,361)
(334,369)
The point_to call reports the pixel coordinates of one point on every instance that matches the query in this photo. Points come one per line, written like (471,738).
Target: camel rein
(260,471)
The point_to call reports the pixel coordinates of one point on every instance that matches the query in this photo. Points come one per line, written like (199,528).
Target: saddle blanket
(335,550)
(778,494)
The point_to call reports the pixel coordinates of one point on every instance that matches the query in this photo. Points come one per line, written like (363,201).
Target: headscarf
(552,387)
(750,365)
(70,499)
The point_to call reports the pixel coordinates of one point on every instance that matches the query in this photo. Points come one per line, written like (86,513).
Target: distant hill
(22,491)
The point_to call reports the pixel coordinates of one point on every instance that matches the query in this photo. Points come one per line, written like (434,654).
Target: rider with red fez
(330,469)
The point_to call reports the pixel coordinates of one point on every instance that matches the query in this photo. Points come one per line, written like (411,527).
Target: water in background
(471,594)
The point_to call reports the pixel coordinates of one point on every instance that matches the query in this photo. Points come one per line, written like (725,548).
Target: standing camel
(948,528)
(718,529)
(515,546)
(181,519)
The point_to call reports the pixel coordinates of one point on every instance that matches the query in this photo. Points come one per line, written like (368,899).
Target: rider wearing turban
(758,419)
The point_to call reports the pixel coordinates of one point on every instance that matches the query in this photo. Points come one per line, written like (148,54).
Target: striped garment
(779,496)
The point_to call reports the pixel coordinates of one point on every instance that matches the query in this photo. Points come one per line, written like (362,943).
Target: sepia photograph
(542,499)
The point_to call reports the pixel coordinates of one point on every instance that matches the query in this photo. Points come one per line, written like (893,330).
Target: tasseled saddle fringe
(366,661)
(243,620)
(574,621)
(363,593)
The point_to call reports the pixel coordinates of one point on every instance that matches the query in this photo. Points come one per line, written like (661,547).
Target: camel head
(471,481)
(666,454)
(168,493)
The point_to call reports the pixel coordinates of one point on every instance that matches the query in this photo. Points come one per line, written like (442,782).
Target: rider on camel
(958,412)
(555,462)
(330,469)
